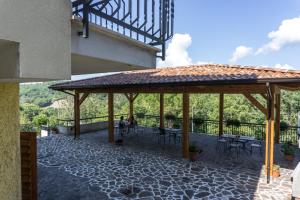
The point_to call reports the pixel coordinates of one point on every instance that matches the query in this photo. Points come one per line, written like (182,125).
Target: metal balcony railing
(148,21)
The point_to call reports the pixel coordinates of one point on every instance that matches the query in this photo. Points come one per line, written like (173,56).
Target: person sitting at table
(121,125)
(132,123)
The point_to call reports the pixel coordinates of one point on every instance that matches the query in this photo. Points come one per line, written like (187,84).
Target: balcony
(122,34)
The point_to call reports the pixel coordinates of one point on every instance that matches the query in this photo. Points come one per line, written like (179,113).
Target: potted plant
(54,130)
(193,152)
(198,121)
(140,115)
(234,123)
(170,117)
(119,142)
(276,171)
(288,151)
(284,126)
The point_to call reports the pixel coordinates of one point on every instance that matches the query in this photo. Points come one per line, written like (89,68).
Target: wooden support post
(131,98)
(111,118)
(76,115)
(130,105)
(269,156)
(161,111)
(185,125)
(221,114)
(277,117)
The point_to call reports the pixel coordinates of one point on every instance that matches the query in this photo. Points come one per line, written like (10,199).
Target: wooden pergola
(217,79)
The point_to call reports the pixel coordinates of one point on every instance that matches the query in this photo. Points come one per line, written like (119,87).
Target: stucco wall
(43,30)
(10,164)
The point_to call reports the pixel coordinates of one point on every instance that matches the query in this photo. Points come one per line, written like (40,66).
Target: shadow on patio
(90,168)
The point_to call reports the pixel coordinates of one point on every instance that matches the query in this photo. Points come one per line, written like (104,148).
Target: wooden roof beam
(226,89)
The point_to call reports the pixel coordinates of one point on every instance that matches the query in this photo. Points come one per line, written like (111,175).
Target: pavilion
(210,78)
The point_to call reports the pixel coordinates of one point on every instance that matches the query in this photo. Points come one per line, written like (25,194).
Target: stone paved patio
(90,168)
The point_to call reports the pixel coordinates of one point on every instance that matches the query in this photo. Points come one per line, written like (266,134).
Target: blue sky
(211,30)
(218,27)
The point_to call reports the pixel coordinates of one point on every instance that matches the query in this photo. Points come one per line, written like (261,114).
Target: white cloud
(284,66)
(203,63)
(240,52)
(287,33)
(177,53)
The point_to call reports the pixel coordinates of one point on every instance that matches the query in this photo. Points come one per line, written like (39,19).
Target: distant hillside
(43,100)
(39,94)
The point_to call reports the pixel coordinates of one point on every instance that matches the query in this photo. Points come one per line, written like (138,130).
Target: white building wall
(42,28)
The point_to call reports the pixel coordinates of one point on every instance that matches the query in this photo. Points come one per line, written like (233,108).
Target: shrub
(193,148)
(198,121)
(233,122)
(140,115)
(284,126)
(288,149)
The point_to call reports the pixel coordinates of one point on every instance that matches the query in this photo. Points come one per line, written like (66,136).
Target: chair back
(162,131)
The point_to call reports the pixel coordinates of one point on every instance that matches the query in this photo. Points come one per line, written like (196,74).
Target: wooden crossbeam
(135,96)
(228,89)
(127,96)
(84,96)
(256,103)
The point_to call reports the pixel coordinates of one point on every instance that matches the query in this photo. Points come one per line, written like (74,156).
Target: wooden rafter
(127,96)
(228,89)
(256,103)
(135,96)
(264,96)
(84,96)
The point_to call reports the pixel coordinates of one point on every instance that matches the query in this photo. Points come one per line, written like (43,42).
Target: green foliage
(36,99)
(40,120)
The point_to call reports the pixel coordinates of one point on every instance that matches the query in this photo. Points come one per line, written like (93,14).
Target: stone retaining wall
(84,128)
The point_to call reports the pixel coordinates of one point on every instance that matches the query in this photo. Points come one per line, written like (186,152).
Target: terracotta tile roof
(201,74)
